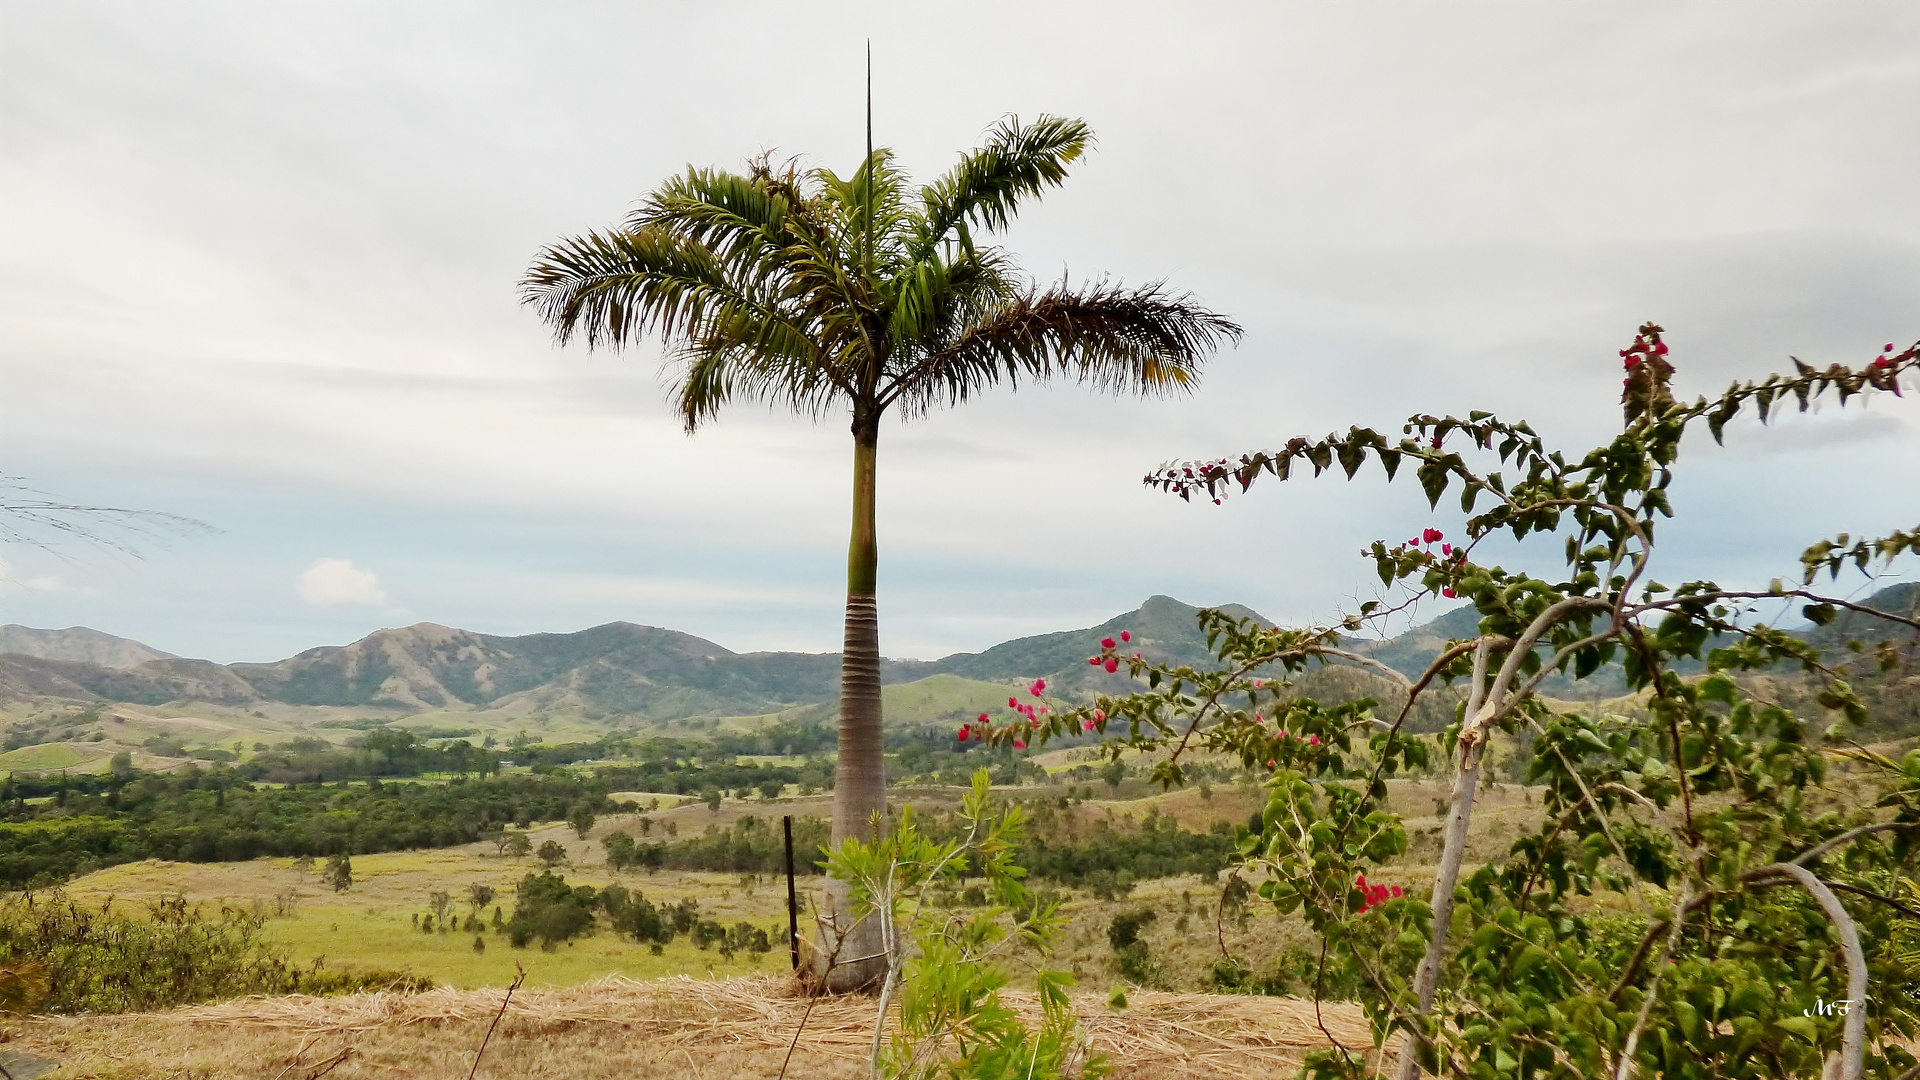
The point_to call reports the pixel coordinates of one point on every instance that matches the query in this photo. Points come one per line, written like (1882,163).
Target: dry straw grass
(679,1028)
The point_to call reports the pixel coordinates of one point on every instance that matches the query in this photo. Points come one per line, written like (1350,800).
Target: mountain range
(621,671)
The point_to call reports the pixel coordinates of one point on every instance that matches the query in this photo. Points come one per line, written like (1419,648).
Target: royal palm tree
(858,296)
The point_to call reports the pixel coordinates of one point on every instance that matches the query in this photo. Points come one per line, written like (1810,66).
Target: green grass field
(372,925)
(51,756)
(940,697)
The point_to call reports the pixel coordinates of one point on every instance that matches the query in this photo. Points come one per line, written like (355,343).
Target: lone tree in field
(856,296)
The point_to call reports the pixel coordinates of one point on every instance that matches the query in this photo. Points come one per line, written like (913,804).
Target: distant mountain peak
(80,644)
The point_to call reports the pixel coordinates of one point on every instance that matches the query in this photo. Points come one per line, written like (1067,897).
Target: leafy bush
(548,909)
(636,917)
(100,960)
(1130,955)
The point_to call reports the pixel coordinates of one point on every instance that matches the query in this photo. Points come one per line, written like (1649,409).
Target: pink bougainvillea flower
(983,718)
(1013,703)
(1038,686)
(1125,636)
(1019,744)
(1136,656)
(1313,740)
(1888,347)
(1396,892)
(1258,683)
(1113,666)
(1271,763)
(963,734)
(1099,715)
(1086,725)
(1093,661)
(1448,593)
(1660,349)
(1446,549)
(1106,643)
(1881,362)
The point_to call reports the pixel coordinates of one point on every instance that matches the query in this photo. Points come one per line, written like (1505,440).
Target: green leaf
(1802,1026)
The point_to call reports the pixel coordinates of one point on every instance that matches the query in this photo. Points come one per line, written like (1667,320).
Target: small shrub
(339,873)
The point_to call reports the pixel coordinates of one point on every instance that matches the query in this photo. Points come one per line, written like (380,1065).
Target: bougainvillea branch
(1501,971)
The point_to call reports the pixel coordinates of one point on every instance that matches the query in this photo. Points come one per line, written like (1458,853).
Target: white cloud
(11,582)
(337,581)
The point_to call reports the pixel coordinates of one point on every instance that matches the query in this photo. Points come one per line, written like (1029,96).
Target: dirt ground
(679,1028)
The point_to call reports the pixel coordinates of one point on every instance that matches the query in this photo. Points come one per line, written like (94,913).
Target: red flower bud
(1888,347)
(1099,715)
(1448,593)
(1113,666)
(1660,349)
(1019,744)
(1093,661)
(1106,643)
(983,718)
(1125,636)
(963,734)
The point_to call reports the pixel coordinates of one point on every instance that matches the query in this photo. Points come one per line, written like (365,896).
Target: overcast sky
(258,267)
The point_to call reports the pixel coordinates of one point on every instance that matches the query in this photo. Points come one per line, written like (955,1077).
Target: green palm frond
(1115,339)
(986,187)
(613,287)
(807,288)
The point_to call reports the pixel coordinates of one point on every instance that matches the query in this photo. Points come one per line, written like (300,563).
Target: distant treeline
(54,827)
(215,816)
(77,824)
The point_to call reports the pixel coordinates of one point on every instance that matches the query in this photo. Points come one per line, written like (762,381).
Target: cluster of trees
(381,753)
(933,756)
(713,773)
(216,816)
(549,911)
(1108,857)
(751,845)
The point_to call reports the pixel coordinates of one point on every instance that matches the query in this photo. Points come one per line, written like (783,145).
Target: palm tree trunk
(859,787)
